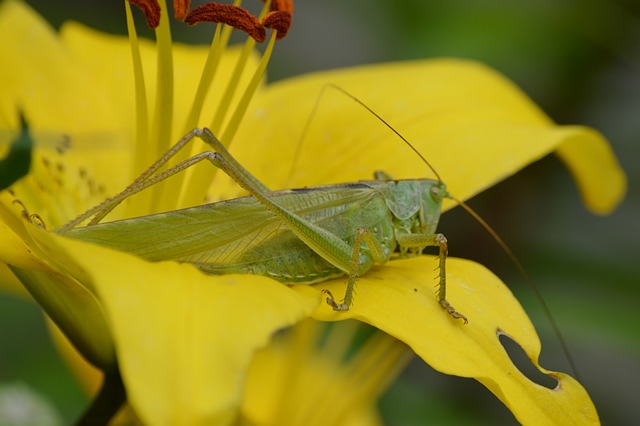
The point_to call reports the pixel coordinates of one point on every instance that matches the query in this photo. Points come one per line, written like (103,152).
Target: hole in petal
(521,361)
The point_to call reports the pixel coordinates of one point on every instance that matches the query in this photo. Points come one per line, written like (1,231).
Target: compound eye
(435,193)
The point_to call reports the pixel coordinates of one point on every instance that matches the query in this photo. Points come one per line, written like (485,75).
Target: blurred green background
(580,61)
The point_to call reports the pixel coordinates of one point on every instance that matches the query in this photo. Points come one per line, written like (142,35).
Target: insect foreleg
(431,240)
(377,253)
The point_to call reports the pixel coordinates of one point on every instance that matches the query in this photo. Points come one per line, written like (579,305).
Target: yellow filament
(144,149)
(163,114)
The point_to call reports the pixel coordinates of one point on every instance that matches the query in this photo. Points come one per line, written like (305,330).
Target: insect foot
(451,310)
(340,307)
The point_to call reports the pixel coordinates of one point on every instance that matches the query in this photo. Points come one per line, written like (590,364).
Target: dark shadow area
(522,363)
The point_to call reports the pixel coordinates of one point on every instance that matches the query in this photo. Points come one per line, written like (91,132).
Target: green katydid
(299,236)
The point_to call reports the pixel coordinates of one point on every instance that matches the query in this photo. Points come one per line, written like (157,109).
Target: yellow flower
(322,374)
(185,343)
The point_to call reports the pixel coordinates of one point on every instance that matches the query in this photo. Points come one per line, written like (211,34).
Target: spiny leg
(149,172)
(221,159)
(438,240)
(325,243)
(378,255)
(145,180)
(443,252)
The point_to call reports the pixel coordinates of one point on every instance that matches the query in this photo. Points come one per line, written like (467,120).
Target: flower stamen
(181,9)
(151,10)
(282,5)
(234,16)
(142,157)
(191,192)
(279,21)
(279,18)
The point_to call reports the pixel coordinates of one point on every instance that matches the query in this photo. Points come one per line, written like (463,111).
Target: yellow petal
(601,181)
(185,339)
(74,310)
(68,116)
(317,367)
(39,76)
(111,70)
(473,125)
(87,375)
(188,63)
(34,258)
(14,246)
(398,298)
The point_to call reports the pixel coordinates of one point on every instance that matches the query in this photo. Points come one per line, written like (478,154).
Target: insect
(299,236)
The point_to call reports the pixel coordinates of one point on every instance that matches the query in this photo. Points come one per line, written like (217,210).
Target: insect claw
(452,311)
(340,307)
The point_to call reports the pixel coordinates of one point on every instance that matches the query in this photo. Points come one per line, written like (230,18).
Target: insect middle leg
(357,263)
(430,240)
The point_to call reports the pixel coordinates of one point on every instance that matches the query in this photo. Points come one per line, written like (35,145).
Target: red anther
(151,10)
(279,21)
(234,16)
(282,6)
(181,9)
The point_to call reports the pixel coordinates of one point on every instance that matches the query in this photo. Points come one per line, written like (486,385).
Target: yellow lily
(184,343)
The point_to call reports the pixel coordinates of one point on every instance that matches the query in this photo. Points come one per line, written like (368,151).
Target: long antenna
(375,114)
(527,278)
(505,248)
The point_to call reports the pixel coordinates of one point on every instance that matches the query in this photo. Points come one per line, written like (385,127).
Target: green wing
(223,233)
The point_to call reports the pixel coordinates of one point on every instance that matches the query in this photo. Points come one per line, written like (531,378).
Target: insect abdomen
(296,263)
